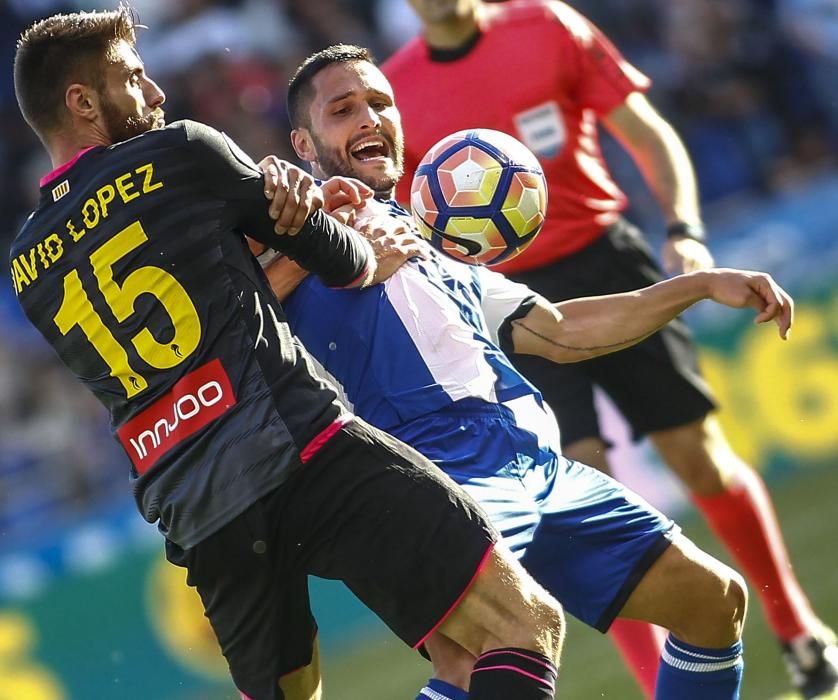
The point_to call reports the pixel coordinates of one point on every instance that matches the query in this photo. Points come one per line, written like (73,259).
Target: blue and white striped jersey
(417,344)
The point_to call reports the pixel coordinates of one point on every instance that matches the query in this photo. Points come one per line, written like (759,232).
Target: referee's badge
(542,129)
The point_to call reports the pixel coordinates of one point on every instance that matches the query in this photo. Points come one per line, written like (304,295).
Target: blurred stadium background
(88,607)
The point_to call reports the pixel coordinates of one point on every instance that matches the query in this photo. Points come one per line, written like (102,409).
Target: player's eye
(341,111)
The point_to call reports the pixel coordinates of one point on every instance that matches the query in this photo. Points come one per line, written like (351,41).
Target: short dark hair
(64,49)
(300,90)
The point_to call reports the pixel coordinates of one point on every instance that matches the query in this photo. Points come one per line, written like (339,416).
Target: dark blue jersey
(135,269)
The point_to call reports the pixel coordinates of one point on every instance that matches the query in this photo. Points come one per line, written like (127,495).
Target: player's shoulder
(210,145)
(177,135)
(539,12)
(187,131)
(182,132)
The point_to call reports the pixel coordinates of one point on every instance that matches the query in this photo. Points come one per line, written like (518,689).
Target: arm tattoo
(610,346)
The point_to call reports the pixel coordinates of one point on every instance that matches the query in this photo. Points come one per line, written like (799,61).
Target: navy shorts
(582,535)
(366,510)
(655,384)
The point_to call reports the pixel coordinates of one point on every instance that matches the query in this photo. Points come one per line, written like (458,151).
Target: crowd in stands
(749,84)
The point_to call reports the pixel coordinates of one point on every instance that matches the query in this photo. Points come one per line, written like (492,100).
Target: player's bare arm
(662,158)
(579,329)
(284,276)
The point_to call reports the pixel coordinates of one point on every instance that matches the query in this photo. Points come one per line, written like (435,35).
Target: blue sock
(440,690)
(693,673)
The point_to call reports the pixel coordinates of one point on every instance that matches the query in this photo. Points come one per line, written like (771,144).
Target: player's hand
(393,243)
(293,193)
(757,290)
(681,254)
(347,214)
(340,192)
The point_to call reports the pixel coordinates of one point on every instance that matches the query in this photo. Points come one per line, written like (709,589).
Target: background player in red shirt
(540,71)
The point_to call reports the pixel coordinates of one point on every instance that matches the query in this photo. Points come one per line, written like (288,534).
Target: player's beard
(122,127)
(334,161)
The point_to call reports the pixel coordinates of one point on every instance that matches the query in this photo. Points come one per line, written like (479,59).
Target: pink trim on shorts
(549,685)
(462,595)
(61,169)
(324,436)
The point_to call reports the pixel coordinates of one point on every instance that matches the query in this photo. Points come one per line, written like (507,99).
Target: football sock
(502,674)
(694,673)
(440,690)
(744,519)
(640,644)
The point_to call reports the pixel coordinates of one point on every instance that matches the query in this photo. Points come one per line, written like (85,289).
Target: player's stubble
(122,126)
(337,162)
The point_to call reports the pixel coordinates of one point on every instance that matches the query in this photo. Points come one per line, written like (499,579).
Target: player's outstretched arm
(580,329)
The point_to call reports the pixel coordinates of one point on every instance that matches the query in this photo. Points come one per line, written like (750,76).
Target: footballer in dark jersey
(135,268)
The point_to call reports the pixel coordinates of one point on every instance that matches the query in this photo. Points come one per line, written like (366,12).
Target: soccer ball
(479,196)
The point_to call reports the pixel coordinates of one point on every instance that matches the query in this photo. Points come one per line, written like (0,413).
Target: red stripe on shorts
(324,436)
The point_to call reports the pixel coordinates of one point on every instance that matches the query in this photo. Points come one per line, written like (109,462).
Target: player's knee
(727,617)
(507,608)
(734,605)
(723,602)
(540,624)
(550,627)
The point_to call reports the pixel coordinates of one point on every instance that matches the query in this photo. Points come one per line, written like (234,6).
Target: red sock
(640,645)
(744,519)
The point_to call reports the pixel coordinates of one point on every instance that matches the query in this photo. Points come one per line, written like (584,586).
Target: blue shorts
(582,535)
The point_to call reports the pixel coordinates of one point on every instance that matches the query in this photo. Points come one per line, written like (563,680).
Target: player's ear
(82,101)
(303,144)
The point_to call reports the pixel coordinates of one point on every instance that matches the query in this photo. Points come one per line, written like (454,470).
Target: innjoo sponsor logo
(195,401)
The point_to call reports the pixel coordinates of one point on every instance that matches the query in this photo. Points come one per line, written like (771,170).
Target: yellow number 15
(77,310)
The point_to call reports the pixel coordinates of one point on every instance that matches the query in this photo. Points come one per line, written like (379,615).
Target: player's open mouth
(369,149)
